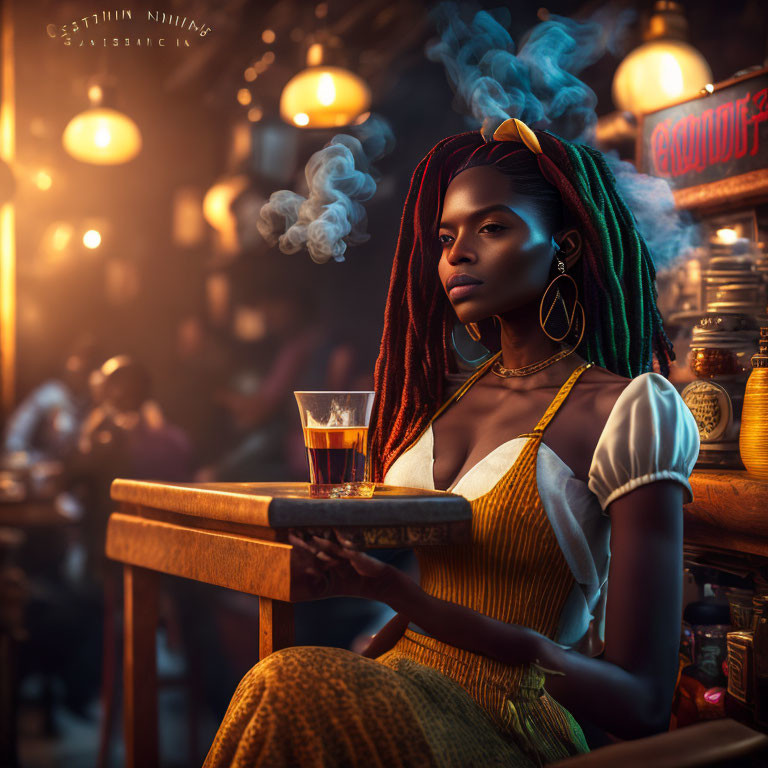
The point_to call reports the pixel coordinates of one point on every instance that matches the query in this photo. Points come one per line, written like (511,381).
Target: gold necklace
(526,370)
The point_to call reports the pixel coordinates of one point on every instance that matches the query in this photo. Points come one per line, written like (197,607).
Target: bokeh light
(92,239)
(43,180)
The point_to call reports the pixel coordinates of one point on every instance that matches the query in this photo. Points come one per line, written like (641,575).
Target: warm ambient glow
(217,210)
(43,180)
(324,97)
(244,96)
(92,239)
(218,199)
(315,55)
(659,73)
(102,136)
(268,36)
(60,236)
(727,235)
(665,69)
(255,114)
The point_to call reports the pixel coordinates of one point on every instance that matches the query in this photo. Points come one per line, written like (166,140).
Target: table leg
(140,668)
(275,626)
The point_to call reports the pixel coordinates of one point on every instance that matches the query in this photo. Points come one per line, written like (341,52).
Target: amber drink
(335,426)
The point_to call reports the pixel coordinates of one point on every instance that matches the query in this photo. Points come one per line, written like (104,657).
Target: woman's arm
(386,637)
(627,692)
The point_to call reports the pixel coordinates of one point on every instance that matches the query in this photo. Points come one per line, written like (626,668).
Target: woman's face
(495,237)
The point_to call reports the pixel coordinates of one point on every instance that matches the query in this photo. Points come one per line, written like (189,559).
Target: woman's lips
(463,291)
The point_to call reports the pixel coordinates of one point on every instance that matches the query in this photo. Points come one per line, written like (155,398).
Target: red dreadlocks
(615,276)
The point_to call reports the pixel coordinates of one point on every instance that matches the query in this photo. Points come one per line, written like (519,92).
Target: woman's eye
(490,228)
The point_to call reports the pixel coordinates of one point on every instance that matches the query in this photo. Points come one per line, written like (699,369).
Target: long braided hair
(615,277)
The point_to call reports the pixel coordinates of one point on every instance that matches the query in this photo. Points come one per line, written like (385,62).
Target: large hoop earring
(473,331)
(558,305)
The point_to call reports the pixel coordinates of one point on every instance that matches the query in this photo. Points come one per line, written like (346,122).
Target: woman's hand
(333,568)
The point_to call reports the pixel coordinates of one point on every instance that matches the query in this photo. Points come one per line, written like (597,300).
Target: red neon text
(718,135)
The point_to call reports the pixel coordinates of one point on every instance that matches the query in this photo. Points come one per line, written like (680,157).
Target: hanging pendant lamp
(665,69)
(323,96)
(101,135)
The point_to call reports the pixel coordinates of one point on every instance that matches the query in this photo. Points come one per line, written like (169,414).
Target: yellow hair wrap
(516,130)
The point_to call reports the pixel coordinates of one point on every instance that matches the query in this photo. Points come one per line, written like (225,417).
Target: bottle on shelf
(753,436)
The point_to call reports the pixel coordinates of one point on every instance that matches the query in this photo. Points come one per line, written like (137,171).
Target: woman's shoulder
(646,402)
(649,434)
(599,375)
(607,387)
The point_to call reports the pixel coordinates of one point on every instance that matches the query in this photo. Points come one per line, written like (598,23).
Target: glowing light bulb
(658,73)
(671,76)
(324,97)
(326,90)
(102,137)
(92,239)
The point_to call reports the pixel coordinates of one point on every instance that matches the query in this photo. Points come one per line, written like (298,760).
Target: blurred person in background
(47,421)
(125,435)
(131,426)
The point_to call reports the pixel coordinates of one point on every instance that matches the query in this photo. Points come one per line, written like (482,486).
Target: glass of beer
(335,428)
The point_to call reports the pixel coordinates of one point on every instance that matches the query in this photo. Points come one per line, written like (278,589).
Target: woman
(559,447)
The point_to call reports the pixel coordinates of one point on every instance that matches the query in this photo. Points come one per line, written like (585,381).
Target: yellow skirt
(314,707)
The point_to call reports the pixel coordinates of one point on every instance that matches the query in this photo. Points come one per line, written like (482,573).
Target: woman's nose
(461,251)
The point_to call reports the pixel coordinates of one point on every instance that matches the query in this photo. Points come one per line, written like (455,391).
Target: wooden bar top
(729,512)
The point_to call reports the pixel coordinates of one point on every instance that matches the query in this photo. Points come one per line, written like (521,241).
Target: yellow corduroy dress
(426,703)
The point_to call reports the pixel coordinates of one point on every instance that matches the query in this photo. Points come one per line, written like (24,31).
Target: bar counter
(728,514)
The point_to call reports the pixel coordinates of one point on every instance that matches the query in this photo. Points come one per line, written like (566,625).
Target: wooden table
(235,535)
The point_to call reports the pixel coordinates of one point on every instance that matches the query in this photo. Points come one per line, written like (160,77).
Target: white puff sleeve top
(649,435)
